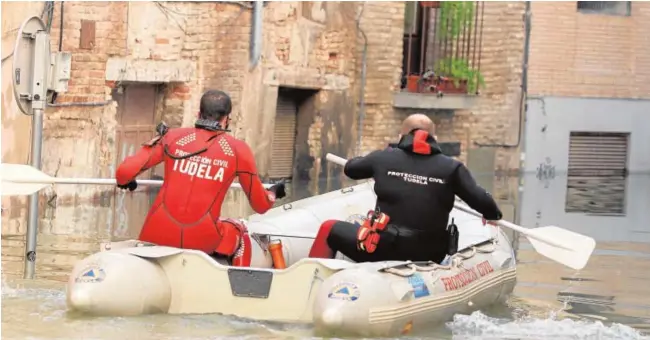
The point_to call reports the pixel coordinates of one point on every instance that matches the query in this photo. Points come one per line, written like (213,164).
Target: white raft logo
(201,167)
(417,179)
(91,274)
(344,291)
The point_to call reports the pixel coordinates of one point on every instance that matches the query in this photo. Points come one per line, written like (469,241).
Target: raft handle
(348,189)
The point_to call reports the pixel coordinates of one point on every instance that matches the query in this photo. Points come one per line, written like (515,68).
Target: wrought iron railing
(442,47)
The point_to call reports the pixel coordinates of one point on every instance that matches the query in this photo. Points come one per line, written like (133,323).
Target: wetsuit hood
(419,142)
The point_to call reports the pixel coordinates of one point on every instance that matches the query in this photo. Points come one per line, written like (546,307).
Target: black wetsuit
(416,186)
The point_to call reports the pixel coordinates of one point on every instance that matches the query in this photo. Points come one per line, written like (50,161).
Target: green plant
(454,17)
(458,69)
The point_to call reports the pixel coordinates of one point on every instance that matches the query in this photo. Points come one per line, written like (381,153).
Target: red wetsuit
(187,209)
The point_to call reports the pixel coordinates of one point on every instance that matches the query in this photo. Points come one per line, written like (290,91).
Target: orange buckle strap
(368,236)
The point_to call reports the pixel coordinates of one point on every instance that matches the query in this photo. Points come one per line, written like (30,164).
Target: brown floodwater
(609,299)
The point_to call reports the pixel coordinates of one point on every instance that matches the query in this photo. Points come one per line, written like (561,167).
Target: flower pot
(448,86)
(412,83)
(430,4)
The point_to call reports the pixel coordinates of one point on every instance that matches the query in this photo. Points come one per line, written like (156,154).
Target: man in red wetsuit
(201,163)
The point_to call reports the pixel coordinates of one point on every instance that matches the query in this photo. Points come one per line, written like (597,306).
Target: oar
(564,246)
(21,179)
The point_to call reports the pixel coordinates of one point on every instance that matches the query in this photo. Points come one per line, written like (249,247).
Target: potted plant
(454,17)
(430,4)
(457,76)
(413,83)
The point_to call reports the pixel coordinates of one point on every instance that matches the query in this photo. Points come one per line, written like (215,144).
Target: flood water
(609,299)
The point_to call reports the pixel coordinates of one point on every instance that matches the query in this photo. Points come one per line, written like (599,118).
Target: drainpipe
(61,29)
(524,108)
(256,34)
(362,87)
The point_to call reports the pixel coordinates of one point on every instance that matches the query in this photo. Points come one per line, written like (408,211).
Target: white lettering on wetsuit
(200,166)
(417,179)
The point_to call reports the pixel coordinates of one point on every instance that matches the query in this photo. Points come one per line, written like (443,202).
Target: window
(597,173)
(622,8)
(284,137)
(412,18)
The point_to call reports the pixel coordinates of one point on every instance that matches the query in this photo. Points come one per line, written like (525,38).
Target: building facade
(588,118)
(323,77)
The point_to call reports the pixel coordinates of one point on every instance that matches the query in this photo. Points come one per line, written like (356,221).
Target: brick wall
(589,55)
(493,122)
(383,24)
(205,44)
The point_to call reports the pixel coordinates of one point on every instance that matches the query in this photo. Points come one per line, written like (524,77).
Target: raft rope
(456,261)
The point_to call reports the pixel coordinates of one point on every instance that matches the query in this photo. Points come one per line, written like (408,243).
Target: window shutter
(597,173)
(284,138)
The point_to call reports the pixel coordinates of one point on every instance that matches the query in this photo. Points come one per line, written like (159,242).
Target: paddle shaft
(528,232)
(512,226)
(99,181)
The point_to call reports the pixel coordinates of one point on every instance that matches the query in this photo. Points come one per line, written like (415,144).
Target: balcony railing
(442,47)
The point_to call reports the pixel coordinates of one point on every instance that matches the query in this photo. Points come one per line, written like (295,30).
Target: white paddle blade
(23,173)
(580,246)
(14,177)
(20,189)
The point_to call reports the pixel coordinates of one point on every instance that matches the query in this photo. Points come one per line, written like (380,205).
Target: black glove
(131,185)
(278,189)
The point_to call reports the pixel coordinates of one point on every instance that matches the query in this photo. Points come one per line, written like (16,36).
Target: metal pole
(256,34)
(32,222)
(41,68)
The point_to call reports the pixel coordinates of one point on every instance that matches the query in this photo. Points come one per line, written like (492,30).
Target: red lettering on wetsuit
(186,211)
(466,277)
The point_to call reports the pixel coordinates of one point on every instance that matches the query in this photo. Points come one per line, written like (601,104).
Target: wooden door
(135,125)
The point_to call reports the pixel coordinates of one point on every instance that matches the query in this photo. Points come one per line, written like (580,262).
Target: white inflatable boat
(337,296)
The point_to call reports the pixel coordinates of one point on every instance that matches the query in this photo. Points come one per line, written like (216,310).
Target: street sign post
(31,69)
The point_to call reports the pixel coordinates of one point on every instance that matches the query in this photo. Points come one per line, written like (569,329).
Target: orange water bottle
(275,247)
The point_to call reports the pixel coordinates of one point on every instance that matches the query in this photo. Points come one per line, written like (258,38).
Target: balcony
(442,55)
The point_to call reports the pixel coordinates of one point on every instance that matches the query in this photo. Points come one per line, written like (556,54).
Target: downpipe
(362,86)
(256,34)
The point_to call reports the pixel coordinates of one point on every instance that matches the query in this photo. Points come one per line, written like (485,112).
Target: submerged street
(546,104)
(609,299)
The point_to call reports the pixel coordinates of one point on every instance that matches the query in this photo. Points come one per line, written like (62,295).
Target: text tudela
(200,166)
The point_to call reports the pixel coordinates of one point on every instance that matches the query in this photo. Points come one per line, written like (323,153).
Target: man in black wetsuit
(416,186)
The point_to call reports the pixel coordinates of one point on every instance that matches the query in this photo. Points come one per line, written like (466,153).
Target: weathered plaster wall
(187,47)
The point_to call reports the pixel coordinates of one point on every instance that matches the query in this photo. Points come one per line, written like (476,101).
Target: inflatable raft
(339,297)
